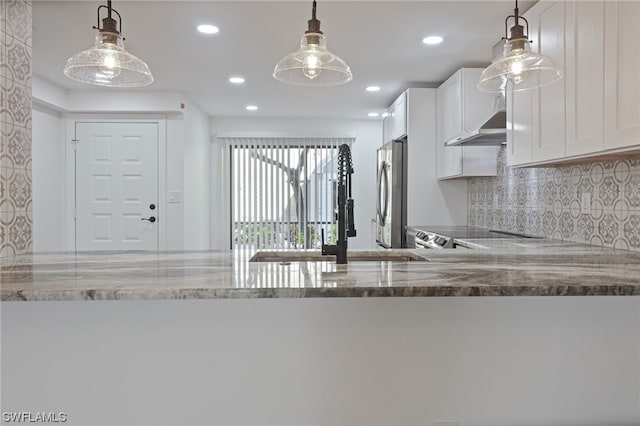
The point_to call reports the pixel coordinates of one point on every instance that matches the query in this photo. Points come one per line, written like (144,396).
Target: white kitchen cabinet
(449,158)
(595,109)
(546,30)
(585,77)
(603,69)
(398,117)
(536,118)
(450,107)
(386,131)
(460,108)
(621,74)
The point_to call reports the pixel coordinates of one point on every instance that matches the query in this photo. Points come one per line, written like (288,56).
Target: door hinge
(74,143)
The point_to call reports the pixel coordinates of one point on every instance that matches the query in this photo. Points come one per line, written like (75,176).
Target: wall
(50,176)
(15,128)
(429,201)
(197,179)
(510,361)
(48,180)
(547,202)
(174,169)
(185,164)
(368,134)
(123,101)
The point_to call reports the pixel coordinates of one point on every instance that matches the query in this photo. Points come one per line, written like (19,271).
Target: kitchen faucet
(346,226)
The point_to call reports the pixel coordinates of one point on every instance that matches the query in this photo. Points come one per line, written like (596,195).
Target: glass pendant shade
(312,65)
(519,69)
(108,64)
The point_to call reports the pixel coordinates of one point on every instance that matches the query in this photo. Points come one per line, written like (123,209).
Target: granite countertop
(508,267)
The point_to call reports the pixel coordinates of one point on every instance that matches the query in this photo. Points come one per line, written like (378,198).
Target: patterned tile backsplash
(595,203)
(16,210)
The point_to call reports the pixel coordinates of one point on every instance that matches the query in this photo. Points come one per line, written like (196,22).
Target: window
(283,192)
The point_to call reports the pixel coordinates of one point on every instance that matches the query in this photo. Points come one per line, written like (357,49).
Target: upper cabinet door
(462,107)
(546,30)
(621,74)
(585,76)
(398,117)
(449,125)
(451,91)
(386,131)
(536,117)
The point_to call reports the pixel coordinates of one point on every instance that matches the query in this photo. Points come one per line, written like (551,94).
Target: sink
(353,256)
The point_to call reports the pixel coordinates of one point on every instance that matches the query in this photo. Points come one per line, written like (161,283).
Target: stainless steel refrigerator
(391,217)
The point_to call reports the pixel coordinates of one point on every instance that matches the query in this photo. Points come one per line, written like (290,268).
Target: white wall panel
(508,361)
(48,180)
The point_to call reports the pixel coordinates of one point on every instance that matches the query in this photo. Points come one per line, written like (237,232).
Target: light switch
(174,197)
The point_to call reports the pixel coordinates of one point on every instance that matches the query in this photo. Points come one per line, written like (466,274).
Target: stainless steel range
(446,237)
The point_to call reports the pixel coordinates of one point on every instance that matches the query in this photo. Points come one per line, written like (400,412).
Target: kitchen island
(315,343)
(513,267)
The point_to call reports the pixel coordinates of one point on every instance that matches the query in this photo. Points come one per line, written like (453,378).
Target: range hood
(492,132)
(484,114)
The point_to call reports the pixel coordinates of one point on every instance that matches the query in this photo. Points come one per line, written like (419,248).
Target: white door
(116,186)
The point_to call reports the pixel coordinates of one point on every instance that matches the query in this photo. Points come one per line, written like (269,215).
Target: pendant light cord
(313,23)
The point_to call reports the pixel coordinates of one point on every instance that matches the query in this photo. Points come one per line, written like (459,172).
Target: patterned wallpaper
(547,202)
(15,127)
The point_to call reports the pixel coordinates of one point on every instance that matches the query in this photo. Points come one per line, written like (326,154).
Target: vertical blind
(283,191)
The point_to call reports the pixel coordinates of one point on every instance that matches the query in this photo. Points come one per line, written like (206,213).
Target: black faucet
(346,226)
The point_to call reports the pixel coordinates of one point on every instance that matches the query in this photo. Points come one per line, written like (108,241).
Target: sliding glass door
(283,192)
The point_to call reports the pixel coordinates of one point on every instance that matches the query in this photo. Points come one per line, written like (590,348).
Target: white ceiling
(380,40)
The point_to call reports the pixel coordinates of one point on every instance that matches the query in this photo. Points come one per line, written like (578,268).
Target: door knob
(150,219)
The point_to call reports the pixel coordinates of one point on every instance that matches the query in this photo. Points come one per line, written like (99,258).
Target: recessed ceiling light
(385,114)
(236,80)
(208,29)
(252,108)
(432,40)
(373,88)
(374,114)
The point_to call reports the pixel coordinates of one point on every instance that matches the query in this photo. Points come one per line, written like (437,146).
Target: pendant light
(312,64)
(519,68)
(107,63)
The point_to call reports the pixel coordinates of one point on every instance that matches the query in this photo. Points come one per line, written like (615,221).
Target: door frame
(70,169)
